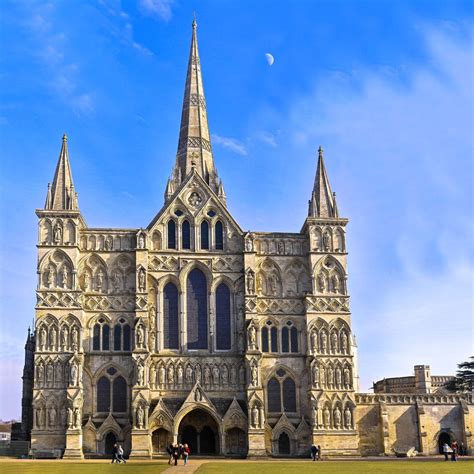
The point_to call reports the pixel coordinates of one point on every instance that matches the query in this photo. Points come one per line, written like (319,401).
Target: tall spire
(323,201)
(61,194)
(194,145)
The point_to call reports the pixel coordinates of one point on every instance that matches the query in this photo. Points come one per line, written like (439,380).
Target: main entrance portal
(200,431)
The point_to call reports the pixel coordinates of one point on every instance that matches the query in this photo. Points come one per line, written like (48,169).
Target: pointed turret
(61,194)
(323,202)
(194,145)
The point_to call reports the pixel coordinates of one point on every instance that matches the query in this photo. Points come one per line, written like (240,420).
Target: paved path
(192,466)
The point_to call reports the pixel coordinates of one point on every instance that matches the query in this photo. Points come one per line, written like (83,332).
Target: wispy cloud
(399,147)
(159,8)
(265,137)
(230,143)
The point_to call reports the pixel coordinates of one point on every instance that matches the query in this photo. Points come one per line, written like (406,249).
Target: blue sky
(384,86)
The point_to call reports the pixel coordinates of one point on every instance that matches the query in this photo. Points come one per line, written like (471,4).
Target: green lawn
(354,467)
(59,467)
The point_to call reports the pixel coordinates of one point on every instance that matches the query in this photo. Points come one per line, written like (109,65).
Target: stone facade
(191,329)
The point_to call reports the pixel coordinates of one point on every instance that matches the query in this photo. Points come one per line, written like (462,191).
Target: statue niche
(269,279)
(56,271)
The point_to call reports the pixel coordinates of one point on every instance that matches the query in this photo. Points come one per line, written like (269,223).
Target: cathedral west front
(192,330)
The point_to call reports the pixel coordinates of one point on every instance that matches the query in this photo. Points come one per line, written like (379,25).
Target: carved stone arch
(269,278)
(189,267)
(110,424)
(70,232)
(46,231)
(160,419)
(95,318)
(318,238)
(102,370)
(223,279)
(327,231)
(189,407)
(156,240)
(339,240)
(284,427)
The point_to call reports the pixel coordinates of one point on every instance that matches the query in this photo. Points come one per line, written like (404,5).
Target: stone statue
(242,375)
(152,376)
(86,281)
(140,375)
(254,375)
(315,375)
(52,416)
(141,241)
(338,375)
(58,234)
(330,377)
(207,375)
(326,240)
(77,418)
(65,277)
(49,374)
(42,338)
(64,338)
(347,378)
(322,377)
(326,417)
(40,374)
(161,376)
(255,417)
(252,337)
(215,375)
(249,243)
(180,375)
(314,341)
(108,243)
(141,280)
(197,395)
(140,417)
(333,342)
(140,336)
(344,342)
(39,416)
(197,373)
(250,282)
(170,375)
(75,338)
(189,374)
(324,342)
(50,277)
(74,374)
(348,418)
(225,376)
(100,280)
(69,417)
(281,247)
(321,282)
(53,338)
(337,417)
(117,280)
(336,282)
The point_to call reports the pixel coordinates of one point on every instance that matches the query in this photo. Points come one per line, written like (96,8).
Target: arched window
(274,396)
(119,396)
(285,339)
(204,235)
(121,336)
(219,235)
(281,393)
(170,317)
(196,289)
(264,339)
(103,394)
(101,336)
(112,392)
(185,235)
(223,339)
(294,339)
(171,234)
(274,338)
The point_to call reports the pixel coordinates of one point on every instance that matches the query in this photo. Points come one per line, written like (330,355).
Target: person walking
(115,454)
(454,451)
(314,452)
(169,450)
(462,449)
(186,452)
(319,453)
(446,451)
(175,454)
(120,454)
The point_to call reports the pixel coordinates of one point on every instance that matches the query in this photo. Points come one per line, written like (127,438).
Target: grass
(326,467)
(60,467)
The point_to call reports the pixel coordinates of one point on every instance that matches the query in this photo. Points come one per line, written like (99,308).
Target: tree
(464,379)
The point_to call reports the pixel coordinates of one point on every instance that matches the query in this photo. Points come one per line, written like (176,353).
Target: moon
(270,59)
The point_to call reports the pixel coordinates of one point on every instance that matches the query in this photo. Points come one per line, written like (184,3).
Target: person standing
(319,453)
(120,454)
(175,454)
(115,454)
(314,452)
(454,451)
(169,450)
(446,451)
(186,452)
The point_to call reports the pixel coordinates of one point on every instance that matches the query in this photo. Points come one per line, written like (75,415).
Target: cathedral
(192,330)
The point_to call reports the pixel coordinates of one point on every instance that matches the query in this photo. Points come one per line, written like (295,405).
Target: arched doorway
(160,440)
(284,445)
(110,440)
(200,431)
(444,437)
